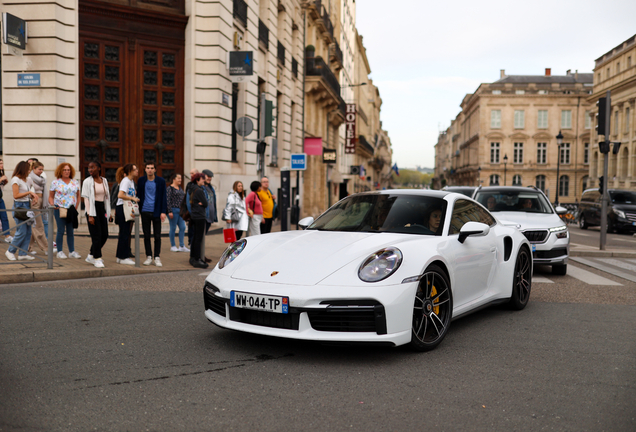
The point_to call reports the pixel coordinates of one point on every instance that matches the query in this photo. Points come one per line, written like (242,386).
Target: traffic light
(600,117)
(269,118)
(600,184)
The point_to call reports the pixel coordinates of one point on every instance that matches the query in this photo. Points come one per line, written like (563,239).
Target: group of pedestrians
(155,199)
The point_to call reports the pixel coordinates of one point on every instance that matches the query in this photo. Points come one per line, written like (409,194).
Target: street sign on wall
(28,80)
(14,31)
(298,161)
(241,65)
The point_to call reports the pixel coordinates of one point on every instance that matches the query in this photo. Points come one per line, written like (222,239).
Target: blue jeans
(64,225)
(22,236)
(4,220)
(174,222)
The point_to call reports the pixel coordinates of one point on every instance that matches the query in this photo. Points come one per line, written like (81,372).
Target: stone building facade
(506,134)
(616,71)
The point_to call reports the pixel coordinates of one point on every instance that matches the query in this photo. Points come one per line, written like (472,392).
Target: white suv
(532,213)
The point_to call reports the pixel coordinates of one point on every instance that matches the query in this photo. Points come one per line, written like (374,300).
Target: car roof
(504,189)
(422,192)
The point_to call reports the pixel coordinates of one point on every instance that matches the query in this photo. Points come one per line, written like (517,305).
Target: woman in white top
(38,236)
(235,213)
(126,193)
(21,186)
(97,204)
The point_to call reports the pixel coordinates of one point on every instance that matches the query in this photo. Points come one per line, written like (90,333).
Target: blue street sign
(298,161)
(29,80)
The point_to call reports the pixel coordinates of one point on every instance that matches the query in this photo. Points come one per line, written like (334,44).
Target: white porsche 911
(391,267)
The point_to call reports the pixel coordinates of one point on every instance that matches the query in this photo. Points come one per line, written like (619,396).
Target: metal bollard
(137,250)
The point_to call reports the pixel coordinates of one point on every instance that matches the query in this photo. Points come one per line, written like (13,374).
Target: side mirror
(561,210)
(305,222)
(473,229)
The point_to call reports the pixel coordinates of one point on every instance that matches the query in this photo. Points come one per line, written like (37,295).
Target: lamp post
(505,167)
(559,139)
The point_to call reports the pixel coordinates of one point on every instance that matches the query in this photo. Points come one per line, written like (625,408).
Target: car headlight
(619,213)
(560,231)
(380,265)
(232,252)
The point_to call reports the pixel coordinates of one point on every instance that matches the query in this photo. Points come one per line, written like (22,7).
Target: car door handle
(492,249)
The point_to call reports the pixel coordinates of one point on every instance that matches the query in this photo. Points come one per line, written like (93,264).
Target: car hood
(625,207)
(528,220)
(307,257)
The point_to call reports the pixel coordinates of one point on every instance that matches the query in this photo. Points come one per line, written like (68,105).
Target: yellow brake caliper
(433,294)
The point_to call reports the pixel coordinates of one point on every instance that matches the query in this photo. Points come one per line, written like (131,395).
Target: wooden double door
(131,102)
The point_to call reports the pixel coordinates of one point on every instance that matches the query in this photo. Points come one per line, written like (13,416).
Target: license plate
(260,302)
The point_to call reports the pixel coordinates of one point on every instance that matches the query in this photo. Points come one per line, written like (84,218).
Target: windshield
(408,214)
(623,197)
(514,201)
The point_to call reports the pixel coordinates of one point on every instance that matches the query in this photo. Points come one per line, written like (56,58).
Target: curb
(601,253)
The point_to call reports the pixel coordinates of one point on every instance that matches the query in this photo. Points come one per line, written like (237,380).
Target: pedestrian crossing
(585,276)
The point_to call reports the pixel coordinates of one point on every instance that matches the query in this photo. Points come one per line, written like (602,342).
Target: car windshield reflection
(623,197)
(407,214)
(513,201)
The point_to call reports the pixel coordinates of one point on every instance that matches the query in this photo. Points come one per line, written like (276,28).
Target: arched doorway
(131,87)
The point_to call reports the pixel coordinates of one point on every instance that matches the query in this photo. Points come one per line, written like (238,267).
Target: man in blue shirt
(153,203)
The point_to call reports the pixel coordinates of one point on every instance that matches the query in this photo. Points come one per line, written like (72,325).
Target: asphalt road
(136,353)
(591,237)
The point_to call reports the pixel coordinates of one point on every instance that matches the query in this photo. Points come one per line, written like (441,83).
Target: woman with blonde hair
(65,197)
(38,235)
(21,186)
(235,213)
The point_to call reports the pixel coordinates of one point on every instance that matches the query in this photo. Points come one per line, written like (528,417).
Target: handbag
(229,235)
(21,214)
(131,209)
(63,213)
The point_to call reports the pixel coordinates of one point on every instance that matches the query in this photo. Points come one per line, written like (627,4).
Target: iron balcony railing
(335,52)
(327,21)
(281,53)
(240,11)
(316,66)
(263,34)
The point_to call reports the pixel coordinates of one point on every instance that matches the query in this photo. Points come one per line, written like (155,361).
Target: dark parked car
(621,210)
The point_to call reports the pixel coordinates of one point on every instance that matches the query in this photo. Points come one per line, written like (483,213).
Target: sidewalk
(13,272)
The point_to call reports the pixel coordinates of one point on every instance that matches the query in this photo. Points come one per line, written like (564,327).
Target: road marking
(589,277)
(204,274)
(541,279)
(583,234)
(618,263)
(624,240)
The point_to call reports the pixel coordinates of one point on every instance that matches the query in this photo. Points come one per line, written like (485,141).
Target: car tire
(610,226)
(521,281)
(559,269)
(583,223)
(432,309)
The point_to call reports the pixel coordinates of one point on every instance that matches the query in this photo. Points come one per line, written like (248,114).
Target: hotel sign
(350,129)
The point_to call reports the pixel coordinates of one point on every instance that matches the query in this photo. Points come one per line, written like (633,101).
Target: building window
(516,180)
(566,119)
(542,152)
(599,76)
(496,92)
(494,152)
(564,186)
(565,153)
(542,92)
(495,119)
(588,120)
(629,62)
(519,119)
(586,153)
(616,118)
(608,72)
(618,67)
(494,180)
(540,182)
(520,92)
(542,119)
(518,153)
(584,182)
(626,120)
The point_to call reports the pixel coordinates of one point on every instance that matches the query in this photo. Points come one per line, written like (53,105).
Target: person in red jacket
(254,209)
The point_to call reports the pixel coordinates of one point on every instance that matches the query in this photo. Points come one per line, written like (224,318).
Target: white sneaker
(148,260)
(90,259)
(8,239)
(184,249)
(55,250)
(10,256)
(158,262)
(25,257)
(174,249)
(99,263)
(61,255)
(126,261)
(33,252)
(74,255)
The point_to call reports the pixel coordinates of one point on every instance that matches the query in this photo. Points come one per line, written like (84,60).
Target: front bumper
(551,251)
(370,314)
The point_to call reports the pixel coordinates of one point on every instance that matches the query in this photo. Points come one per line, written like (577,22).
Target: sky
(425,56)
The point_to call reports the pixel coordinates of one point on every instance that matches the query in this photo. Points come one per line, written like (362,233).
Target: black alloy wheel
(583,223)
(432,309)
(522,280)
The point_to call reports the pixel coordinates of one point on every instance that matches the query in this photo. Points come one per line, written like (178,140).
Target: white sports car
(391,267)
